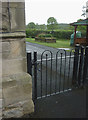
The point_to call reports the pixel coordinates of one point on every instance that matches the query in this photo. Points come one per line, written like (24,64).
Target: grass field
(61,43)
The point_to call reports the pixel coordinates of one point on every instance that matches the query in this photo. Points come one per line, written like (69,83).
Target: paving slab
(70,104)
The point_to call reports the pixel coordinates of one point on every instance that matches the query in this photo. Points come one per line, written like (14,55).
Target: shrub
(59,34)
(48,35)
(62,34)
(45,35)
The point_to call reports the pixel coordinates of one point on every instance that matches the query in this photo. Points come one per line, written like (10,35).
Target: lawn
(60,43)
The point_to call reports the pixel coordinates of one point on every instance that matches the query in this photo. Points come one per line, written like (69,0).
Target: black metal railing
(53,74)
(80,69)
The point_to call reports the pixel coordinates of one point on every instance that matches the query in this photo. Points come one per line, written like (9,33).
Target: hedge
(59,34)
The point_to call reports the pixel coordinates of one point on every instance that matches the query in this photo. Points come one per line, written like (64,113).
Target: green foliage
(45,35)
(64,26)
(83,33)
(60,34)
(31,25)
(52,23)
(32,33)
(48,35)
(81,28)
(41,35)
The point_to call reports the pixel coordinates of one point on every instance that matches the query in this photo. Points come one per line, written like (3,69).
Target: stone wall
(16,83)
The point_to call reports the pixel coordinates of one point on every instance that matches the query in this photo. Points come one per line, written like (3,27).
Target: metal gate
(56,73)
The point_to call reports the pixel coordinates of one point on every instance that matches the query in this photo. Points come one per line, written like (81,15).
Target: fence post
(35,75)
(29,63)
(75,65)
(80,65)
(85,69)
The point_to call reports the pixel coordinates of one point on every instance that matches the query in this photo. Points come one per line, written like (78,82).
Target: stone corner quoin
(16,83)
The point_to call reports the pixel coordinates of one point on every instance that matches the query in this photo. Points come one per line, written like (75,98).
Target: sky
(64,11)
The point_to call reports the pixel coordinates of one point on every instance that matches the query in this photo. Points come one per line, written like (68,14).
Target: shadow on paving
(70,104)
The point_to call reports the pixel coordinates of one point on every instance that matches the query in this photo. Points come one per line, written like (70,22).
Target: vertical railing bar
(73,82)
(75,67)
(71,64)
(85,68)
(80,65)
(72,68)
(50,72)
(41,76)
(35,75)
(29,63)
(56,76)
(69,68)
(46,74)
(64,72)
(60,73)
(51,76)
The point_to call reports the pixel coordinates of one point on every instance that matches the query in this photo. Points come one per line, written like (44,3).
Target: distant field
(60,43)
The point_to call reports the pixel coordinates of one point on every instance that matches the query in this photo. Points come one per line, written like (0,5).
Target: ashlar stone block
(17,95)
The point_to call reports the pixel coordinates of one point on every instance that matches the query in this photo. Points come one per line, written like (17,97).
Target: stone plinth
(16,83)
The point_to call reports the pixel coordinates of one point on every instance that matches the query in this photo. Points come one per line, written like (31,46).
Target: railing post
(29,63)
(81,65)
(35,75)
(85,69)
(75,66)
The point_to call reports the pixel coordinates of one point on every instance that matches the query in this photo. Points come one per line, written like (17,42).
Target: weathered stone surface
(28,106)
(0,114)
(17,95)
(17,19)
(14,112)
(12,36)
(15,83)
(18,109)
(5,20)
(0,104)
(0,67)
(13,66)
(4,4)
(17,5)
(13,50)
(0,93)
(13,18)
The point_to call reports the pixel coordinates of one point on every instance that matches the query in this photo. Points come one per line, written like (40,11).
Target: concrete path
(71,104)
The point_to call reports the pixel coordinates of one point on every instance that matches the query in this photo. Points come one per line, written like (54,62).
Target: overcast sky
(65,11)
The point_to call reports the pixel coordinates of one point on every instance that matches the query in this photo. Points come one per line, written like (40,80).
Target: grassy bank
(61,43)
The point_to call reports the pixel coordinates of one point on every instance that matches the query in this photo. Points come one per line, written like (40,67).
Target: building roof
(81,22)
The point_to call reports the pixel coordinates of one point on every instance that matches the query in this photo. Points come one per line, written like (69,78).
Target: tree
(84,11)
(43,27)
(52,23)
(31,25)
(81,27)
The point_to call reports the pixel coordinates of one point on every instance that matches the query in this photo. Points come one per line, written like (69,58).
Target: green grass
(61,43)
